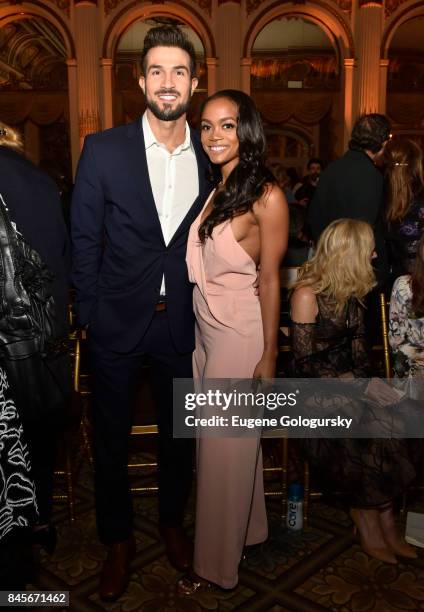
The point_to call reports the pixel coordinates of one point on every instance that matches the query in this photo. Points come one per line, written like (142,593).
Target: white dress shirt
(174,180)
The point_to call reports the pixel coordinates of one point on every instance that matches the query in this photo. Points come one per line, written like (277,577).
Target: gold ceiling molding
(63,5)
(252,5)
(392,5)
(318,20)
(111,5)
(345,5)
(205,5)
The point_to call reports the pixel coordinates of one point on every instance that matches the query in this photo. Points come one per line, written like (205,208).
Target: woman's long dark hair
(417,282)
(250,178)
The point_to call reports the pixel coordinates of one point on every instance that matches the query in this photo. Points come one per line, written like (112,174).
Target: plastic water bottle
(295,507)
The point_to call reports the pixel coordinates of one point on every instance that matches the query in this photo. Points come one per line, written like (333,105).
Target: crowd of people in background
(354,227)
(392,201)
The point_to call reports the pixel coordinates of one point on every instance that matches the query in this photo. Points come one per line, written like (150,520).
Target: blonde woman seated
(328,341)
(406,324)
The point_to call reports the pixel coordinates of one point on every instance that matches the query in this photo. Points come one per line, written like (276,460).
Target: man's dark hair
(315,160)
(369,133)
(168,36)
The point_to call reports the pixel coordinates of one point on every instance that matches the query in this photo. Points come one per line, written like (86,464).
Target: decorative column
(349,67)
(228,42)
(245,64)
(73,112)
(107,92)
(211,65)
(384,69)
(87,48)
(370,25)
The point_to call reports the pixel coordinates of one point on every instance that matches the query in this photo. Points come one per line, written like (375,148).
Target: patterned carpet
(323,568)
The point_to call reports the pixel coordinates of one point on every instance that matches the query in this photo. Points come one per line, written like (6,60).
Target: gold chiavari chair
(66,472)
(146,431)
(284,454)
(82,384)
(384,322)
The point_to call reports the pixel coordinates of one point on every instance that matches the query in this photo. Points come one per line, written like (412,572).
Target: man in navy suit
(138,189)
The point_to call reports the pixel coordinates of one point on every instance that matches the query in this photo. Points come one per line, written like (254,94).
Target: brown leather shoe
(179,548)
(115,574)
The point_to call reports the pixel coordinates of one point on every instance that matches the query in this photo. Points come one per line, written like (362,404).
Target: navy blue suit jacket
(119,254)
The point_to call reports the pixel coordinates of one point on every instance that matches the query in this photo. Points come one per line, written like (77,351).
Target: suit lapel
(139,172)
(205,187)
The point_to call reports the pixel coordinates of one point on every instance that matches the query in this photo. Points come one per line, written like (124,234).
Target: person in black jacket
(34,206)
(305,193)
(352,186)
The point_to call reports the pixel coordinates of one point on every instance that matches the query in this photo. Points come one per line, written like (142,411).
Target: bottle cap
(296,490)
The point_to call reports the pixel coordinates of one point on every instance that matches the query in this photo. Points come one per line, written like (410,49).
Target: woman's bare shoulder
(303,304)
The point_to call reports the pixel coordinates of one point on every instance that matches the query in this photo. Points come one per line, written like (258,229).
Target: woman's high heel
(382,553)
(191,583)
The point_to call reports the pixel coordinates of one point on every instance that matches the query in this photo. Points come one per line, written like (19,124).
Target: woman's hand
(382,393)
(266,367)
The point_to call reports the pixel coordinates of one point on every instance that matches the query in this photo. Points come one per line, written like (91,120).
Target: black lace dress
(368,472)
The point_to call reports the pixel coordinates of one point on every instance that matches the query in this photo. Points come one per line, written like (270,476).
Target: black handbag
(32,352)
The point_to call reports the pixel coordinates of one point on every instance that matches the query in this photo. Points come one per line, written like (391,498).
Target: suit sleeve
(87,217)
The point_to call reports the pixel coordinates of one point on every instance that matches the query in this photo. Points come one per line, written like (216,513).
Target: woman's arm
(303,312)
(272,216)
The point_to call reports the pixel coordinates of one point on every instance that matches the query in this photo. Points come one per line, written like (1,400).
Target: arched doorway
(34,91)
(289,144)
(296,82)
(128,98)
(405,79)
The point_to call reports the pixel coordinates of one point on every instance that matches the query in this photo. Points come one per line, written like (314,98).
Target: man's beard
(168,113)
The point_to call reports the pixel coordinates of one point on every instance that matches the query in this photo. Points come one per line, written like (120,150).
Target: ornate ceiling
(32,56)
(110,5)
(62,4)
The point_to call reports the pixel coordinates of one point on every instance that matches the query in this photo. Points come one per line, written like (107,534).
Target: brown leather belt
(160,307)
